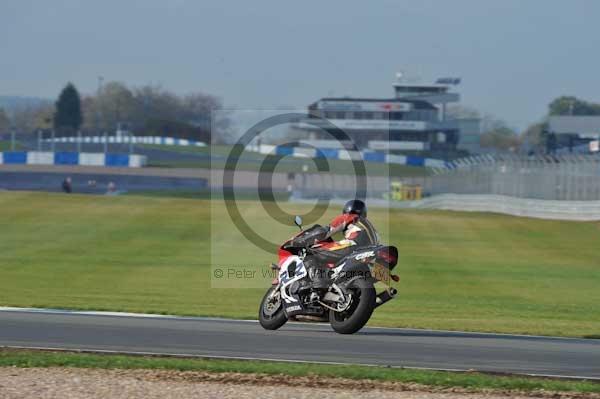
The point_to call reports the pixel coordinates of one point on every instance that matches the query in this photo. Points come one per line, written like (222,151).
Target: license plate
(380,273)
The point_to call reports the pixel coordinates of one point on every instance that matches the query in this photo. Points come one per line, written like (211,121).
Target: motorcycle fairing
(291,271)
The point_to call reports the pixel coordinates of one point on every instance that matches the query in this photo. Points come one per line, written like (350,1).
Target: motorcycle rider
(358,231)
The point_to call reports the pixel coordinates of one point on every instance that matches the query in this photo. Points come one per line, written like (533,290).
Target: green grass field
(253,161)
(459,271)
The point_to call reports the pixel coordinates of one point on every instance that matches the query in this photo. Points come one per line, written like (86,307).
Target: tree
(115,104)
(42,117)
(4,121)
(496,134)
(151,110)
(68,114)
(533,138)
(570,105)
(29,117)
(161,112)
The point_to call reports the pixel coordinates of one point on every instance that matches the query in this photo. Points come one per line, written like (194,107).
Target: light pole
(12,137)
(99,123)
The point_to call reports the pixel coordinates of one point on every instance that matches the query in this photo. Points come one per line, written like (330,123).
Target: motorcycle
(317,285)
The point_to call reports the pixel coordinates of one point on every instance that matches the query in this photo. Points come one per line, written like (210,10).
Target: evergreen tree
(68,109)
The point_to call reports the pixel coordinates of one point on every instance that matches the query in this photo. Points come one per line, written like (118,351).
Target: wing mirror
(298,221)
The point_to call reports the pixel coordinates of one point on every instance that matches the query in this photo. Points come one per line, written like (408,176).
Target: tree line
(153,111)
(496,134)
(144,111)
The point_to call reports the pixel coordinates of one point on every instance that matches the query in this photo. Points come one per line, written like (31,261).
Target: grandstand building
(414,121)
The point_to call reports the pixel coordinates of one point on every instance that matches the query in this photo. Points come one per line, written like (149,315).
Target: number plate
(380,273)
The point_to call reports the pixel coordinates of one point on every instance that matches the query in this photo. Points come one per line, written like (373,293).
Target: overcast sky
(514,56)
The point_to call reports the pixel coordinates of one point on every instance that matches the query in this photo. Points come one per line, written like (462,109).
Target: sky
(514,56)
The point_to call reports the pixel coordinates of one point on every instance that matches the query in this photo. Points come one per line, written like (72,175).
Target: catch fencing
(564,177)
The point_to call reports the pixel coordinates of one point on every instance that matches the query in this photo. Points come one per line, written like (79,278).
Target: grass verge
(254,161)
(458,270)
(440,379)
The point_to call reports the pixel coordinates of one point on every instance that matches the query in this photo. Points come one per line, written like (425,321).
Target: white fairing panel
(285,279)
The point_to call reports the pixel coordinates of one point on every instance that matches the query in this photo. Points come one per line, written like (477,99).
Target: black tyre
(358,314)
(271,315)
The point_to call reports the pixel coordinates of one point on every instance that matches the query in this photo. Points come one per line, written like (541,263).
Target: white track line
(220,319)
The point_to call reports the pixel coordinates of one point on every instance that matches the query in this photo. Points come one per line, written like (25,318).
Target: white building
(414,121)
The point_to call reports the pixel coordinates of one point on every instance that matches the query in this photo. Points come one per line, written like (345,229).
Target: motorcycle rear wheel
(271,315)
(360,310)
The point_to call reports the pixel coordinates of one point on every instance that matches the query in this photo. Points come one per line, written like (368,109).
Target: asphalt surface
(82,182)
(304,342)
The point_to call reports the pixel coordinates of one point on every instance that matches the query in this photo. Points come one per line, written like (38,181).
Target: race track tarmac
(303,342)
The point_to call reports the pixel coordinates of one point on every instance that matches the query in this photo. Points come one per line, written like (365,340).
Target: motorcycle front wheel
(360,310)
(271,315)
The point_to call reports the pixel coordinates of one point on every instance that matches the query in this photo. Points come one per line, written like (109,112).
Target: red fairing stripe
(283,255)
(340,222)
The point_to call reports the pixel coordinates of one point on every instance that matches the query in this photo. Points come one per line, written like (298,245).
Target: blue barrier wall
(374,156)
(66,158)
(15,157)
(415,161)
(116,160)
(327,153)
(281,150)
(370,156)
(71,158)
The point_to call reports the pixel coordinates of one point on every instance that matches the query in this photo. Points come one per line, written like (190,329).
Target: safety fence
(343,154)
(72,158)
(565,177)
(267,149)
(535,208)
(560,178)
(126,139)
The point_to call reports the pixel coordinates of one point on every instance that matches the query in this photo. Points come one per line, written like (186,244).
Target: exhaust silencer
(385,296)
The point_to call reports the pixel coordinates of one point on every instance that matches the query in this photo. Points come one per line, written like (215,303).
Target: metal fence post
(12,139)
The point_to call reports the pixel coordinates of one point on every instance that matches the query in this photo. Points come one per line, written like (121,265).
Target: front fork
(275,268)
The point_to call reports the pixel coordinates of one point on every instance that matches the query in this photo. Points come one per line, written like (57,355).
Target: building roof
(574,124)
(418,104)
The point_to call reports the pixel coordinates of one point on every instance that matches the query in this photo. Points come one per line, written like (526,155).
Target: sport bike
(313,284)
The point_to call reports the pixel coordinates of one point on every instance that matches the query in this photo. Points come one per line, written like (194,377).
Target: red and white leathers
(357,231)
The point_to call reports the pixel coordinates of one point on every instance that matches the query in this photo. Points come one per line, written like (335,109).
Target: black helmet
(357,207)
